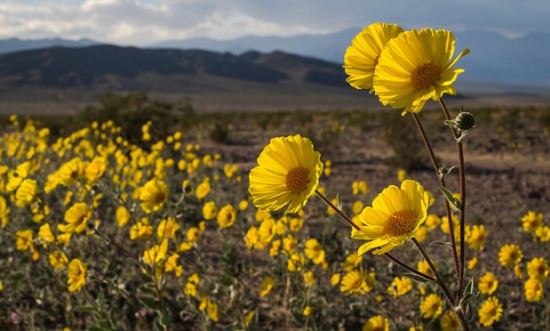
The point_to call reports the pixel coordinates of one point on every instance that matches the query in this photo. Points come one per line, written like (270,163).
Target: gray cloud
(147,21)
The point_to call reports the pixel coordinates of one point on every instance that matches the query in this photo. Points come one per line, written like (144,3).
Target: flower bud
(465,121)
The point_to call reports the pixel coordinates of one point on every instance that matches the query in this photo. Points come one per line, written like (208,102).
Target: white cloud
(143,22)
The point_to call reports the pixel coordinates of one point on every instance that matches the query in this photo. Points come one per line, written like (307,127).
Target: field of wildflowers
(172,228)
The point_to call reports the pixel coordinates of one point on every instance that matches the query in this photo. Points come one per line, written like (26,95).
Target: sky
(145,22)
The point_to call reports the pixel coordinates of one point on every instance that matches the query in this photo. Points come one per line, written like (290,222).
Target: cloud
(143,22)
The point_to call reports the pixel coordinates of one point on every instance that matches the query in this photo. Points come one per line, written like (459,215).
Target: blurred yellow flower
(156,254)
(76,217)
(76,275)
(431,306)
(532,221)
(168,228)
(510,255)
(538,268)
(394,217)
(449,322)
(543,233)
(400,286)
(309,278)
(401,175)
(314,251)
(209,210)
(95,169)
(203,189)
(70,172)
(26,193)
(377,323)
(58,259)
(287,174)
(335,279)
(361,57)
(193,234)
(123,216)
(227,216)
(357,281)
(243,205)
(141,230)
(357,207)
(488,283)
(153,195)
(295,262)
(416,66)
(476,237)
(307,311)
(432,222)
(490,311)
(351,262)
(472,264)
(266,286)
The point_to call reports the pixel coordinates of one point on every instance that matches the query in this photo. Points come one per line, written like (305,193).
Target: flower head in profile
(266,286)
(490,311)
(76,217)
(153,195)
(416,66)
(26,193)
(394,217)
(76,275)
(533,290)
(287,174)
(361,57)
(377,323)
(357,281)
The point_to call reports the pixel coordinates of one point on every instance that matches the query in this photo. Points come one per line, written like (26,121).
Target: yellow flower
(357,281)
(209,210)
(266,231)
(76,275)
(488,283)
(287,174)
(76,217)
(449,322)
(401,175)
(45,233)
(213,311)
(95,169)
(24,240)
(477,237)
(267,285)
(141,230)
(58,259)
(4,212)
(543,233)
(156,254)
(227,216)
(307,311)
(295,262)
(171,264)
(400,286)
(361,57)
(203,189)
(16,177)
(357,207)
(296,224)
(167,228)
(262,215)
(510,255)
(193,234)
(289,244)
(421,234)
(394,217)
(431,306)
(123,216)
(537,268)
(518,271)
(26,193)
(416,66)
(335,279)
(490,311)
(377,323)
(275,247)
(185,246)
(533,290)
(351,262)
(70,172)
(243,205)
(445,224)
(314,251)
(359,186)
(309,278)
(532,221)
(472,264)
(153,195)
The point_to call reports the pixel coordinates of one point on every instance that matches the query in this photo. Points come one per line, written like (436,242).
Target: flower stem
(441,185)
(457,308)
(356,227)
(462,176)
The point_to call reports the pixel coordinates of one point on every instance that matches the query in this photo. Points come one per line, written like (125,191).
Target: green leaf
(150,302)
(449,122)
(450,197)
(84,309)
(469,289)
(414,277)
(439,243)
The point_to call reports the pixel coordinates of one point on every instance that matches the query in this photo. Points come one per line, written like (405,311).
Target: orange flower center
(297,179)
(400,223)
(158,197)
(425,76)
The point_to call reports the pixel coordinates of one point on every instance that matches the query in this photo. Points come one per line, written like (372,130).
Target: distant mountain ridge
(16,44)
(117,67)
